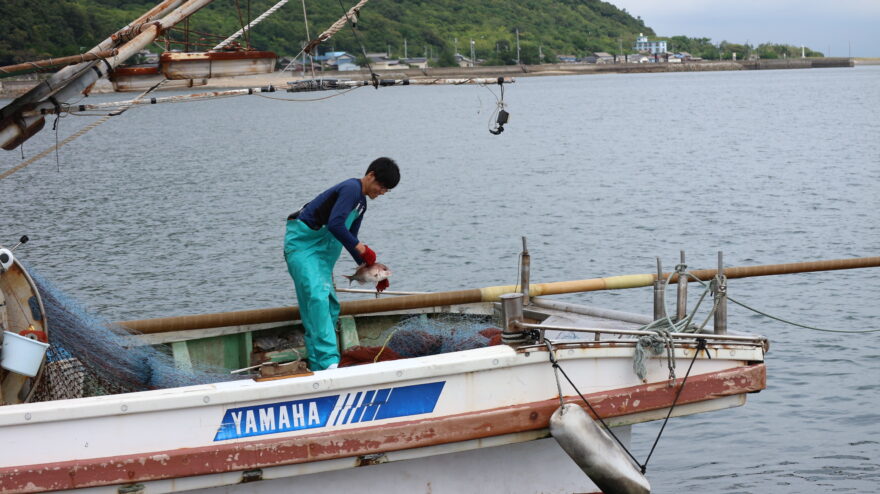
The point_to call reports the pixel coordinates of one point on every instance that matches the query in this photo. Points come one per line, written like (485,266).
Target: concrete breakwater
(11,88)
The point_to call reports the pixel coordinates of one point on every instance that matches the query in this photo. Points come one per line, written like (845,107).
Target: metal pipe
(525,268)
(634,332)
(659,293)
(511,316)
(474,295)
(681,296)
(720,294)
(153,101)
(373,292)
(587,310)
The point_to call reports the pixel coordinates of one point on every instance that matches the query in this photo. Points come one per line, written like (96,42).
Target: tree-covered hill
(34,29)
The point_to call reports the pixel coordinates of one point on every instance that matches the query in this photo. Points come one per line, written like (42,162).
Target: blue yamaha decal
(348,408)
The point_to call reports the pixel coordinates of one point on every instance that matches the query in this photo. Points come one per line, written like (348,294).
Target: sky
(836,28)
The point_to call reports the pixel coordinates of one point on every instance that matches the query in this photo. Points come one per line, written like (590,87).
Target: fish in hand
(369,274)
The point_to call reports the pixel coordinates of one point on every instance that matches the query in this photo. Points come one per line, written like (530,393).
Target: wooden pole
(487,294)
(22,68)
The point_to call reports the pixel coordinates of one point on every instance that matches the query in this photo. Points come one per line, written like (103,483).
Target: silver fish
(369,274)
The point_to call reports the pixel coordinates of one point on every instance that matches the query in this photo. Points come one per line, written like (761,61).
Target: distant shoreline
(12,88)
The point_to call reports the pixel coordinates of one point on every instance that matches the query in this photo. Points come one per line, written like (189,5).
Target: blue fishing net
(420,336)
(89,356)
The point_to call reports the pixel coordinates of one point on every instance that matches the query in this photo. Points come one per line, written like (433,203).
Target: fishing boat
(142,78)
(443,391)
(279,425)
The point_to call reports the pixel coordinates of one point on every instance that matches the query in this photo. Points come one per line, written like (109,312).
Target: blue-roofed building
(337,60)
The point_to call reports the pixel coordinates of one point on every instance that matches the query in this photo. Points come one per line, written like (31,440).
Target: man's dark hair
(386,172)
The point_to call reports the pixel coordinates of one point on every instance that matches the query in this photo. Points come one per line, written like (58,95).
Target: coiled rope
(662,341)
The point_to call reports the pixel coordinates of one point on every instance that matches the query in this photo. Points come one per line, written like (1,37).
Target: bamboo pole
(475,295)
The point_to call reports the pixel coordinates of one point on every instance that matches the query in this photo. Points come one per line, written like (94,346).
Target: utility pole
(517,47)
(540,54)
(473,56)
(455,40)
(405,52)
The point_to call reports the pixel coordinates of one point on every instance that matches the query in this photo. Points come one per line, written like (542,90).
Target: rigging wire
(73,136)
(786,321)
(351,23)
(298,100)
(241,21)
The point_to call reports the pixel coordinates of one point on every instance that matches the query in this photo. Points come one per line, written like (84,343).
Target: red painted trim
(120,71)
(366,440)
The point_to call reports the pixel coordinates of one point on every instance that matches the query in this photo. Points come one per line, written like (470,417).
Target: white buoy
(598,455)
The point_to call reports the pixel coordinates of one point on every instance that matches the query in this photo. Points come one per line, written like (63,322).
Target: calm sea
(179,209)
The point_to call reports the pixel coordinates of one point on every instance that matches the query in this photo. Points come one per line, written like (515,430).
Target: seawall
(10,88)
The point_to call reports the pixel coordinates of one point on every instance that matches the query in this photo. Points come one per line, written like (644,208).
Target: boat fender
(5,259)
(599,456)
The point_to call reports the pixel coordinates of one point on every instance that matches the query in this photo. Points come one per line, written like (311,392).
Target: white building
(653,47)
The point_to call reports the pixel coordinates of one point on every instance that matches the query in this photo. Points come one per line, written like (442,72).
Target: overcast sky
(821,25)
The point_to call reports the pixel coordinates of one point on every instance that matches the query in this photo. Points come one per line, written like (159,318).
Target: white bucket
(22,355)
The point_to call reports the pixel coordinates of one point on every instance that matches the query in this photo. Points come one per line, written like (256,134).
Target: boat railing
(761,340)
(517,332)
(374,292)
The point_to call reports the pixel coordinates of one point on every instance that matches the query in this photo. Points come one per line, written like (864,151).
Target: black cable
(607,428)
(701,345)
(373,76)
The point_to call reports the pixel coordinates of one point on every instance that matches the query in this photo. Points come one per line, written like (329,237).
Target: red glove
(382,285)
(368,256)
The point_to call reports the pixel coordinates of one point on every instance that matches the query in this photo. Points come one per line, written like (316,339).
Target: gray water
(179,209)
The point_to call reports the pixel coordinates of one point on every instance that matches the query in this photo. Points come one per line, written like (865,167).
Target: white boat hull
(344,417)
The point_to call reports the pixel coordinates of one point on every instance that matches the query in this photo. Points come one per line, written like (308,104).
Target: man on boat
(315,237)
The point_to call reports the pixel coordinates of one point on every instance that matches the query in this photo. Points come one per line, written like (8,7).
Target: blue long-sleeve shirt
(332,208)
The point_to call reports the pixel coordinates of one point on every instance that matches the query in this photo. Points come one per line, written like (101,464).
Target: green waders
(311,255)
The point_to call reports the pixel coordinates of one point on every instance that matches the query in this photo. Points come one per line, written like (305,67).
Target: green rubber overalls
(311,255)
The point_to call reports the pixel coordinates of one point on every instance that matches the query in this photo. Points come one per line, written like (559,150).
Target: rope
(48,150)
(656,344)
(336,26)
(293,100)
(556,366)
(253,23)
(351,15)
(701,345)
(240,18)
(786,321)
(72,137)
(384,345)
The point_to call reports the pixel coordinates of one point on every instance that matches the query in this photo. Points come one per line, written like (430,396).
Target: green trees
(34,29)
(31,29)
(771,50)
